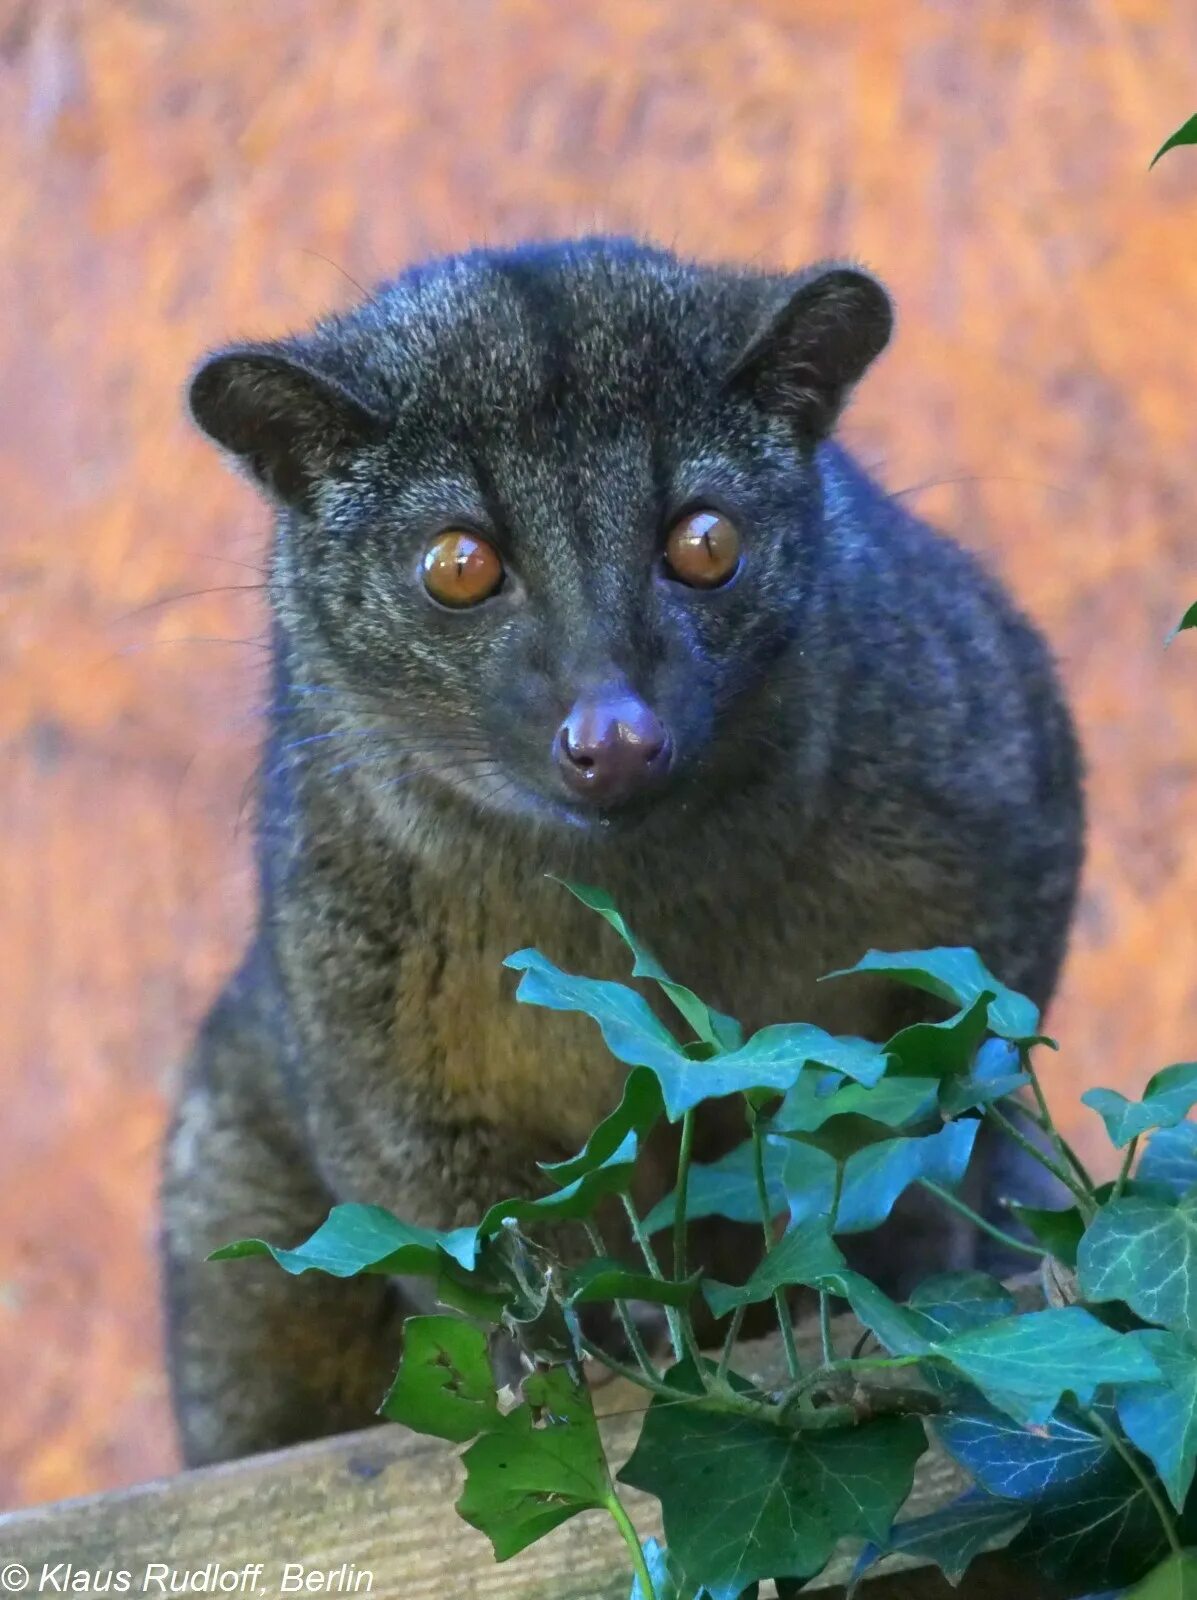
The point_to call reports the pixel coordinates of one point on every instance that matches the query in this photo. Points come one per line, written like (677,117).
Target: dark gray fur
(872,750)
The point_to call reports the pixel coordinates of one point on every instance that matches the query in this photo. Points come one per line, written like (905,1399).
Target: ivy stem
(1162,1510)
(643,1380)
(1124,1171)
(978,1221)
(1083,1196)
(631,1538)
(627,1321)
(784,1324)
(679,1198)
(680,1336)
(1045,1121)
(729,1343)
(825,1338)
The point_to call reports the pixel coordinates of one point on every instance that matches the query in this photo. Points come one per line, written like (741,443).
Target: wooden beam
(373,1512)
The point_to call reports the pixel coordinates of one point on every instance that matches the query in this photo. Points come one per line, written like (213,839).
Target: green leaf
(951,1302)
(952,1538)
(806,1254)
(941,1049)
(639,1109)
(1026,1364)
(744,1500)
(577,1199)
(1169,1097)
(1023,1364)
(1144,1252)
(1015,1463)
(1160,1419)
(874,1177)
(803,1178)
(841,1137)
(774,1056)
(727,1188)
(444,1385)
(656,1559)
(959,976)
(355,1239)
(605,1279)
(1170,1160)
(711,1026)
(1091,1524)
(543,1465)
(1185,134)
(1060,1232)
(1189,620)
(770,1060)
(474,1295)
(818,1096)
(1176,1578)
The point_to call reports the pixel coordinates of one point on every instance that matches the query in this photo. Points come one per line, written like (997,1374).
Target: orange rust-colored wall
(176,171)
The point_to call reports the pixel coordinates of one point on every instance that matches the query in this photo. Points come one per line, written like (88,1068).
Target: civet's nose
(612,747)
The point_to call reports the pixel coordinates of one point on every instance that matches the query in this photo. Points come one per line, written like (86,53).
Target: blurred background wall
(174,172)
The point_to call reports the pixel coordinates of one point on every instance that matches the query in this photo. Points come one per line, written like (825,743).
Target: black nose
(612,747)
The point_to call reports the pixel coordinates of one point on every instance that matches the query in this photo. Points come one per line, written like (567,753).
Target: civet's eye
(460,569)
(703,549)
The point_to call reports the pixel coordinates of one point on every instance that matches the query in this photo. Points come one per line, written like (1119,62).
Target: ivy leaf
(355,1239)
(1174,1579)
(771,1060)
(724,1033)
(1144,1251)
(842,1136)
(656,1559)
(1091,1524)
(875,1177)
(1160,1419)
(818,1096)
(444,1385)
(952,1538)
(1026,1364)
(1015,1463)
(726,1188)
(971,1093)
(959,976)
(1189,620)
(1185,134)
(1101,1534)
(605,1279)
(951,1302)
(541,1466)
(774,1056)
(941,1049)
(639,1109)
(1170,1159)
(473,1294)
(630,1028)
(577,1199)
(1059,1232)
(1169,1097)
(806,1254)
(744,1500)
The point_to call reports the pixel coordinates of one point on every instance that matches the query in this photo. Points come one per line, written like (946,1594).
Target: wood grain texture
(381,1503)
(173,173)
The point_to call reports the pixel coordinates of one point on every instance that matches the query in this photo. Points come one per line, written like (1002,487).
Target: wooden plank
(380,1503)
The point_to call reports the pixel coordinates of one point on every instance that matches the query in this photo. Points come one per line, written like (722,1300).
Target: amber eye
(460,569)
(703,549)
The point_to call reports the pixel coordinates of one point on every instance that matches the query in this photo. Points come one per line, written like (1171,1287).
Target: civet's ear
(288,424)
(833,321)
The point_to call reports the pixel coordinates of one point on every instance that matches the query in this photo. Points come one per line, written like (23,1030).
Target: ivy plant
(1076,1420)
